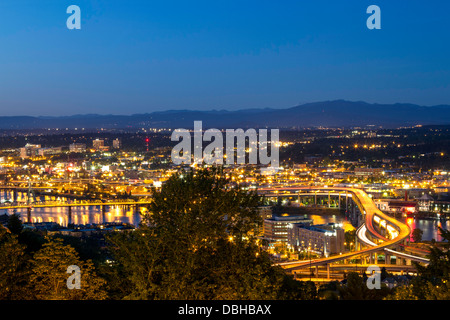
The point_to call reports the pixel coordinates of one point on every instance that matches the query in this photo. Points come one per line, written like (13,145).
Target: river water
(126,214)
(80,215)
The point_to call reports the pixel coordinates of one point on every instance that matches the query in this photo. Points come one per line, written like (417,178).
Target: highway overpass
(396,232)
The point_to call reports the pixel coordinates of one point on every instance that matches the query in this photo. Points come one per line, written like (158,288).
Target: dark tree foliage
(356,289)
(417,235)
(438,269)
(432,281)
(14,224)
(14,267)
(292,289)
(198,243)
(31,265)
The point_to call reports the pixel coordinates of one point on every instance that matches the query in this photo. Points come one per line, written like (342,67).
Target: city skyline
(231,152)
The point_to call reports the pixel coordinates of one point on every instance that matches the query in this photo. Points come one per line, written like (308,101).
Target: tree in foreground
(432,281)
(356,289)
(14,224)
(48,279)
(417,235)
(197,242)
(13,267)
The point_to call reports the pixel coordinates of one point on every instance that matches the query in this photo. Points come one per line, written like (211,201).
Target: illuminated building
(77,147)
(325,238)
(30,150)
(97,144)
(367,172)
(276,228)
(116,144)
(49,151)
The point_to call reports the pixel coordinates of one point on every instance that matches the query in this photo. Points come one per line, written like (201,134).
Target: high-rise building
(77,147)
(276,228)
(325,238)
(116,143)
(30,150)
(97,144)
(49,151)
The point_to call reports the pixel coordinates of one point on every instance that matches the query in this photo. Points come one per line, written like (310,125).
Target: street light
(356,261)
(309,250)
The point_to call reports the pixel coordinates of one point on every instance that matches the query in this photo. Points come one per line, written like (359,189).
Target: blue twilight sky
(143,56)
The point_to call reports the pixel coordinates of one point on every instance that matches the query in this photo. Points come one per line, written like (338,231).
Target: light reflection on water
(93,215)
(80,215)
(429,227)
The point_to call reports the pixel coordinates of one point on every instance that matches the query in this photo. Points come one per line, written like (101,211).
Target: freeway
(361,234)
(370,211)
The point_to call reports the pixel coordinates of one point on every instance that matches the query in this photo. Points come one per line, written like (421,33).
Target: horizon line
(228,110)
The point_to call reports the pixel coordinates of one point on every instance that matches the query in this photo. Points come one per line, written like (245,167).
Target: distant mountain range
(338,113)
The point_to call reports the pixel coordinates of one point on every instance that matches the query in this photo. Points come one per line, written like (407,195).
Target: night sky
(143,56)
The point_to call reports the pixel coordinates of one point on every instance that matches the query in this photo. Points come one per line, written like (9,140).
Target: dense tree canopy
(49,274)
(432,281)
(35,268)
(417,235)
(13,267)
(197,242)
